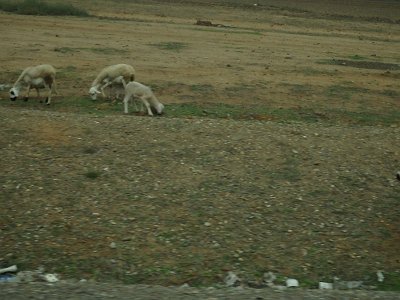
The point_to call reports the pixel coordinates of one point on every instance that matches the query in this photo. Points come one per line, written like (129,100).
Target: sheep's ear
(98,92)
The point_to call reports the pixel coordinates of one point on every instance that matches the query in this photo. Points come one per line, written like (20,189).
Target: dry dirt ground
(173,201)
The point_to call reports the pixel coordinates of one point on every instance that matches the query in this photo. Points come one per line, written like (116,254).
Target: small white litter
(50,278)
(380,276)
(290,282)
(13,268)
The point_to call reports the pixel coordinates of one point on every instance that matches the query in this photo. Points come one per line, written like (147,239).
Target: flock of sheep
(115,77)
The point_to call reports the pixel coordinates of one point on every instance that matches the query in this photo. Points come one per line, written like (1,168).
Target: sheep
(145,94)
(109,76)
(41,76)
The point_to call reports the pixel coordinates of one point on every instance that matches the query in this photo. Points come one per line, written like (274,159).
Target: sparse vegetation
(277,150)
(171,46)
(92,174)
(40,7)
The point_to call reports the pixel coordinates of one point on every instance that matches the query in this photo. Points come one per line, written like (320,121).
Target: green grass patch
(170,46)
(357,57)
(390,283)
(84,105)
(357,62)
(344,91)
(225,30)
(92,174)
(107,50)
(41,8)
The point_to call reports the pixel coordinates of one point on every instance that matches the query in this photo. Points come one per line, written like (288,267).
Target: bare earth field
(90,193)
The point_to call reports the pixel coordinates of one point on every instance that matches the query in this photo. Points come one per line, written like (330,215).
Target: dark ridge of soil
(373,65)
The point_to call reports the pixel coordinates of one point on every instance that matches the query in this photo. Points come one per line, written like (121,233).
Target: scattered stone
(269,278)
(232,279)
(325,285)
(113,245)
(347,285)
(290,282)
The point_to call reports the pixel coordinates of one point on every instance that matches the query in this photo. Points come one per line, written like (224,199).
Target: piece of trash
(12,268)
(50,278)
(290,282)
(325,285)
(232,279)
(8,278)
(380,276)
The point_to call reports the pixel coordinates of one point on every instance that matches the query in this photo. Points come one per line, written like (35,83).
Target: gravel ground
(95,291)
(111,197)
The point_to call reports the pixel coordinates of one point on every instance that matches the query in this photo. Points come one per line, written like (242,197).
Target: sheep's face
(160,108)
(157,109)
(14,92)
(93,93)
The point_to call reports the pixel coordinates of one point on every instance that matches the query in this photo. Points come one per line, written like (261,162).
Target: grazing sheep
(41,76)
(109,76)
(137,90)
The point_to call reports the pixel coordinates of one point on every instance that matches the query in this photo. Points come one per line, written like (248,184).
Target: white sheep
(37,77)
(137,90)
(111,75)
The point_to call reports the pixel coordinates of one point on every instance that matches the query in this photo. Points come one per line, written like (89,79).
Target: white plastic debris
(290,282)
(50,278)
(232,279)
(380,276)
(12,268)
(325,285)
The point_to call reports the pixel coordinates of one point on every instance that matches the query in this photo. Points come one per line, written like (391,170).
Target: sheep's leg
(37,92)
(48,99)
(147,104)
(27,93)
(104,86)
(126,100)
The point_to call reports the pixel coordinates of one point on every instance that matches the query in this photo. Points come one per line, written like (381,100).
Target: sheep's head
(159,108)
(14,92)
(93,92)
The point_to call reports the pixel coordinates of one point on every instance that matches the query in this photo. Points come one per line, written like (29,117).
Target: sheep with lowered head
(111,75)
(41,76)
(137,90)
